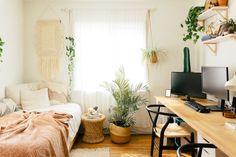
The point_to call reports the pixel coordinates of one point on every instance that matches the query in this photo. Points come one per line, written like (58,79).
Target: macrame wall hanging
(50,46)
(49,43)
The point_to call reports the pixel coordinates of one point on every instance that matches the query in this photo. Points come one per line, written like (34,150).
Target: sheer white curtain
(105,41)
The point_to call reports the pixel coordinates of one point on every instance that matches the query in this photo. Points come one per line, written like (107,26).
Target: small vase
(187,65)
(223,2)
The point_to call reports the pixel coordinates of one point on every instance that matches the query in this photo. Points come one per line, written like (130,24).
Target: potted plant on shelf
(223,2)
(191,22)
(127,102)
(1,49)
(150,55)
(231,26)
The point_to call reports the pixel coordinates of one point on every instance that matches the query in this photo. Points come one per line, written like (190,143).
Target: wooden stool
(93,129)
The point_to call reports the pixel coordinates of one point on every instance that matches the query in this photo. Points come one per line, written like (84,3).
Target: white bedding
(74,123)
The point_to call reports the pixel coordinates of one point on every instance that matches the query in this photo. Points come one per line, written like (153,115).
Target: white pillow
(3,109)
(34,99)
(10,104)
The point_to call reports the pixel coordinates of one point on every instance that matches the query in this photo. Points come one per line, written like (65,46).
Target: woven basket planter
(120,134)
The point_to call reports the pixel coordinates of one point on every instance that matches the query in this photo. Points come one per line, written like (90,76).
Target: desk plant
(191,23)
(127,103)
(1,49)
(70,53)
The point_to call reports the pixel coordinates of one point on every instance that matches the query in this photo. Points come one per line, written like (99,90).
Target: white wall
(166,29)
(11,31)
(226,55)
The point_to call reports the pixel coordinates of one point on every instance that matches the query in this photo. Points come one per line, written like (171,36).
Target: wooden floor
(139,146)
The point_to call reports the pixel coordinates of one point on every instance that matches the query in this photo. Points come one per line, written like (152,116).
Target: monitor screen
(187,84)
(213,81)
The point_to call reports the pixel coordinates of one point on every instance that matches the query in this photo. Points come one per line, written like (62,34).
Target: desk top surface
(210,125)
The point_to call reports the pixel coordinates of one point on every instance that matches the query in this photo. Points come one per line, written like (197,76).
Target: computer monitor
(187,84)
(213,83)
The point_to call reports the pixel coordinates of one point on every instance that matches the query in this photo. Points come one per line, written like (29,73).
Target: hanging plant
(150,54)
(191,22)
(1,49)
(70,53)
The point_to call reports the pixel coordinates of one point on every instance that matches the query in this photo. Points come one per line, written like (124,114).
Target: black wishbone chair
(167,130)
(194,147)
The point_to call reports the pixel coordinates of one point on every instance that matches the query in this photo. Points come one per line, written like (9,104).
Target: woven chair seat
(173,130)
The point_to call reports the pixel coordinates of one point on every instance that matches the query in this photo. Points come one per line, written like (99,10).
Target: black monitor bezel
(201,95)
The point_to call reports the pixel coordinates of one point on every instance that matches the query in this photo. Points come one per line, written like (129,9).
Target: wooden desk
(209,125)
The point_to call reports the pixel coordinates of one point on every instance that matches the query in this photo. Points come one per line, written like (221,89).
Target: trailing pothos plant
(191,22)
(1,49)
(70,53)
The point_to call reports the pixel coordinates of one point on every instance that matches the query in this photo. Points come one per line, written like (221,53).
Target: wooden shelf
(212,43)
(219,10)
(218,39)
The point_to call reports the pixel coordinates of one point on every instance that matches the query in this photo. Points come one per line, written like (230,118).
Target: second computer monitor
(213,81)
(187,84)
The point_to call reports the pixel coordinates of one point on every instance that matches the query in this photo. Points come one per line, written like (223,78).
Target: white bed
(14,91)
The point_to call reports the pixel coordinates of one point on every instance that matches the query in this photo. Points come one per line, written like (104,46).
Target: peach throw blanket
(34,134)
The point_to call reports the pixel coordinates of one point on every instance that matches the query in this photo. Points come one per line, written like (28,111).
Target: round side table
(93,129)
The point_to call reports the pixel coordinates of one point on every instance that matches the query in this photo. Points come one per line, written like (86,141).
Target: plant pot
(119,134)
(153,58)
(223,2)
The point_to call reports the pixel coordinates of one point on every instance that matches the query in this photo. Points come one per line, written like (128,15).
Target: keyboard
(197,107)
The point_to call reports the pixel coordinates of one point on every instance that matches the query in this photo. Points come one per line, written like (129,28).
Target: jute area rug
(85,152)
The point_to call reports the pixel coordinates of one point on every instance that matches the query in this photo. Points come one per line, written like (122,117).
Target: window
(105,41)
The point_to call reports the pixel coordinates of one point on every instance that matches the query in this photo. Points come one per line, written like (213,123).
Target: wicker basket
(93,129)
(119,134)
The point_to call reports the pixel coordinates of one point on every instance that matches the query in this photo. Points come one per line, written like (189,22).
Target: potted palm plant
(127,103)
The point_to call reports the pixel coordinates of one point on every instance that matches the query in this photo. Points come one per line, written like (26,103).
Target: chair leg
(160,146)
(152,143)
(192,141)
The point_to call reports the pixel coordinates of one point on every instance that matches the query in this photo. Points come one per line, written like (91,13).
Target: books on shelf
(231,125)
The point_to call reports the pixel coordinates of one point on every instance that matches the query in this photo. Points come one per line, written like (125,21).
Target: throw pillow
(34,99)
(56,97)
(3,109)
(10,104)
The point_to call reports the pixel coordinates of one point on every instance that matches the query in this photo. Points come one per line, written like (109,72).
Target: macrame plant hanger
(49,44)
(149,28)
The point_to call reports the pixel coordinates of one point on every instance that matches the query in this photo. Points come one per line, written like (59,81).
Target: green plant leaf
(191,23)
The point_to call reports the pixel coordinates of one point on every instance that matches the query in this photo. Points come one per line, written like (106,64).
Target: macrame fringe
(49,66)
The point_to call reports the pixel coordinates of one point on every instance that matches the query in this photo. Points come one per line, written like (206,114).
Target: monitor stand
(218,108)
(187,98)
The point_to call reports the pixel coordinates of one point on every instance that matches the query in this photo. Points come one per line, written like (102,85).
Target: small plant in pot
(150,55)
(231,26)
(127,102)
